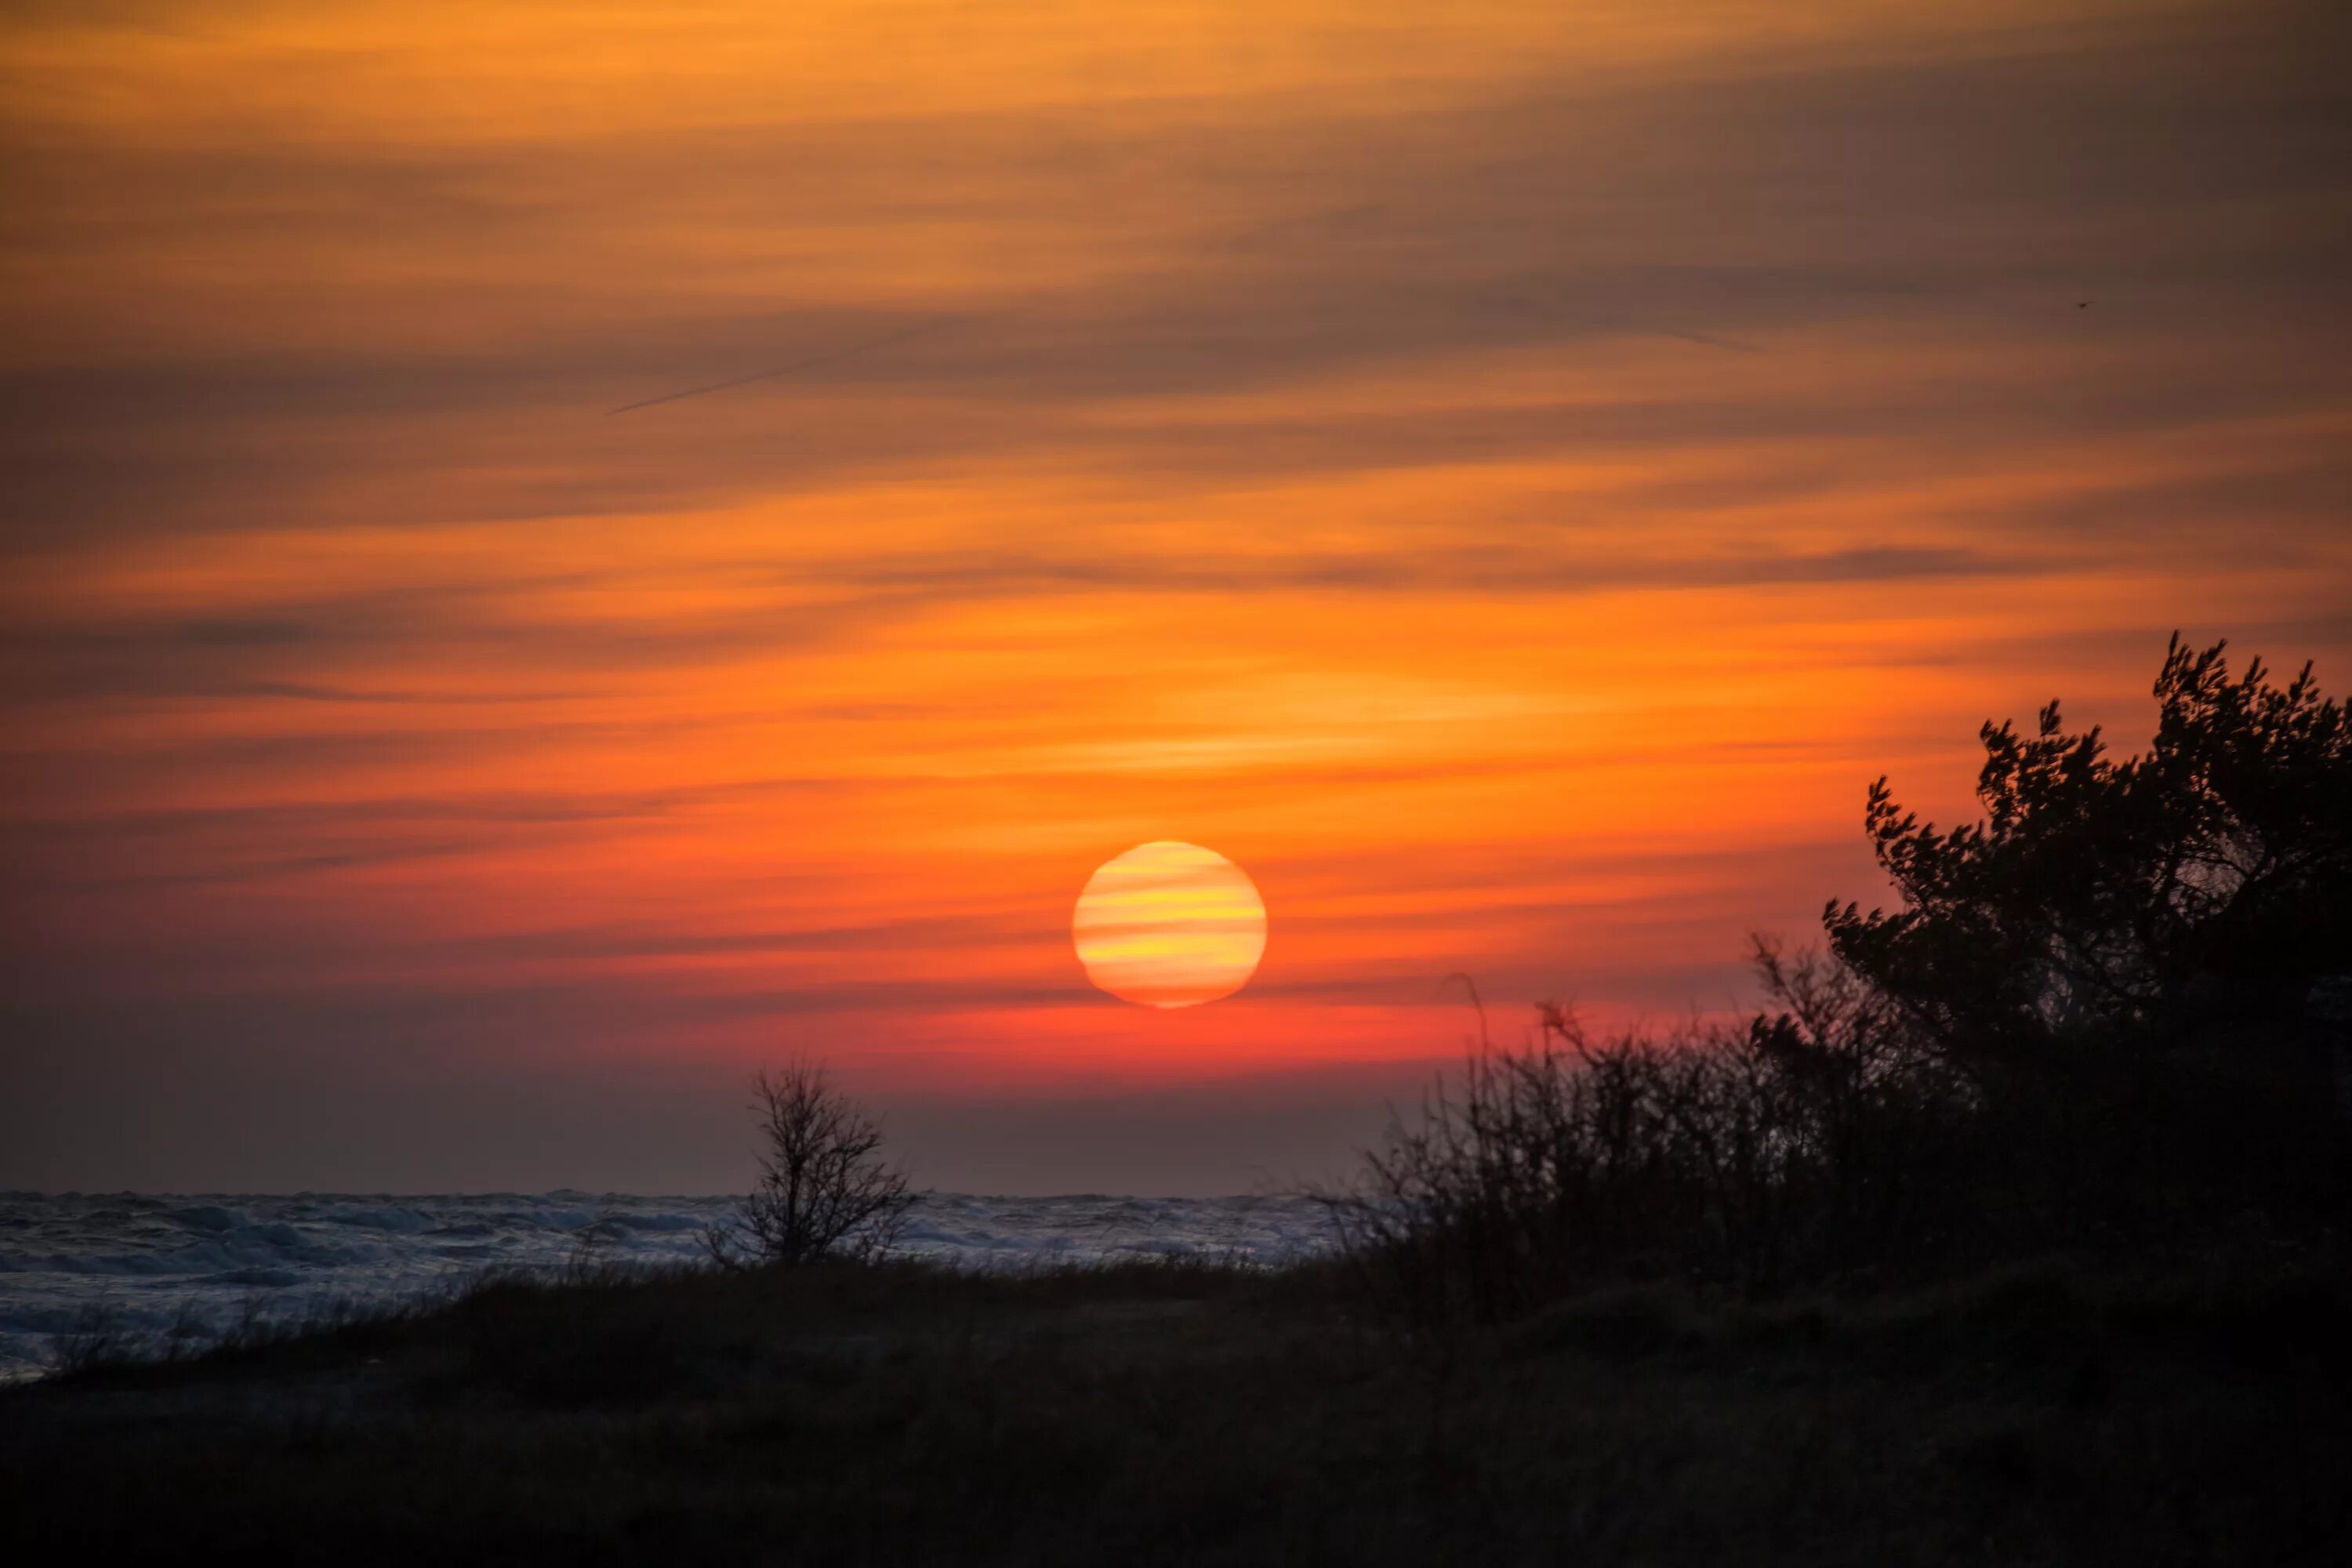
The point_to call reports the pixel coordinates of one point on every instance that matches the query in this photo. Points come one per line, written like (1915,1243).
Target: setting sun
(1170,925)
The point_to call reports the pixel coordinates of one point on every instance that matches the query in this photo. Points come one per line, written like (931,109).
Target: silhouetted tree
(1886,1117)
(2096,891)
(824,1190)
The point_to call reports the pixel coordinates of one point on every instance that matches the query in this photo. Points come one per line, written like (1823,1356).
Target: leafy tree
(2095,891)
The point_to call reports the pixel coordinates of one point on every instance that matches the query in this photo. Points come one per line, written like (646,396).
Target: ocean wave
(151,1260)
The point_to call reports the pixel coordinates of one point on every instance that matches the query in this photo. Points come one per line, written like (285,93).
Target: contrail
(1733,344)
(833,357)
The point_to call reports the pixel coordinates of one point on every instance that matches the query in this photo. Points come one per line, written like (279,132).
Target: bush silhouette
(1811,1144)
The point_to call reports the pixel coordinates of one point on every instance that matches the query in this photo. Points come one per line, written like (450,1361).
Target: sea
(158,1267)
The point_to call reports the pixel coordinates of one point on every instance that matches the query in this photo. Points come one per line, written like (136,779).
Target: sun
(1170,925)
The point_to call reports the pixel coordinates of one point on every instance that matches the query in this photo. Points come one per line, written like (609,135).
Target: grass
(1192,1413)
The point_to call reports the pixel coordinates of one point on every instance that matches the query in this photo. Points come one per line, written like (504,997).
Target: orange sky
(1508,475)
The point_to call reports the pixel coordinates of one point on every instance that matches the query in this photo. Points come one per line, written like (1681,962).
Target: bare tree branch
(824,1191)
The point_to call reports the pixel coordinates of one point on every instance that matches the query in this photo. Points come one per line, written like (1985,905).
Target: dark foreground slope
(1175,1414)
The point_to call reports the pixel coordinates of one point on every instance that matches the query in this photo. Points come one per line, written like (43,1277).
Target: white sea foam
(207,1261)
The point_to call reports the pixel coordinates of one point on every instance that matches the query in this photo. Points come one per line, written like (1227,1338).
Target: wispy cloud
(640,550)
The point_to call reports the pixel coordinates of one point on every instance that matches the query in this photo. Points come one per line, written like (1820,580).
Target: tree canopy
(2095,892)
